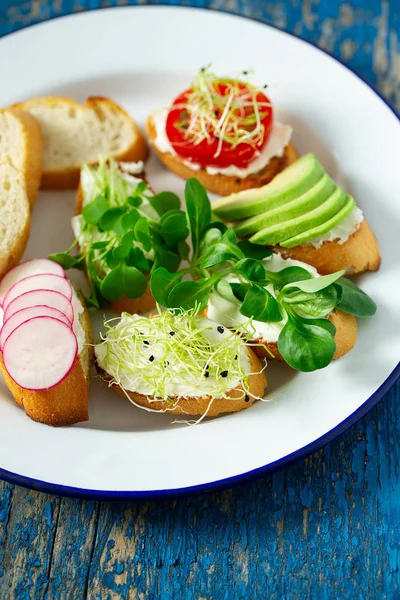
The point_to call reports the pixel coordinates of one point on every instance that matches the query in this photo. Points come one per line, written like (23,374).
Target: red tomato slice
(209,152)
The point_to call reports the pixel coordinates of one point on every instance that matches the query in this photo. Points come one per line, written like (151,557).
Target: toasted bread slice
(14,216)
(236,399)
(345,337)
(67,403)
(76,133)
(358,254)
(223,184)
(21,144)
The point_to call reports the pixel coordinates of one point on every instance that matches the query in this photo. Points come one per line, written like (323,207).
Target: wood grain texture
(328,527)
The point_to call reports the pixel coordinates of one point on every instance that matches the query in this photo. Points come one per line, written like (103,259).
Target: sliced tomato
(209,151)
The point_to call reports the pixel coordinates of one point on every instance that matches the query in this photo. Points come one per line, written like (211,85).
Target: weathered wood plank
(28,544)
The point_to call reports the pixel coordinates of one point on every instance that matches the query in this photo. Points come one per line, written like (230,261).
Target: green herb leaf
(224,289)
(137,259)
(251,268)
(99,245)
(142,233)
(353,300)
(174,227)
(129,220)
(67,261)
(240,290)
(306,344)
(183,249)
(93,211)
(134,201)
(166,258)
(111,220)
(223,251)
(161,284)
(123,280)
(164,201)
(319,304)
(198,210)
(190,295)
(315,284)
(261,305)
(292,274)
(253,251)
(210,237)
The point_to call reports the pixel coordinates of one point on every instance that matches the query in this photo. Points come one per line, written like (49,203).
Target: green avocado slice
(300,206)
(275,234)
(292,182)
(309,235)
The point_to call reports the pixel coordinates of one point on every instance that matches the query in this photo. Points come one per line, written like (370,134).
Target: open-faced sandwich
(45,343)
(223,132)
(179,363)
(304,215)
(122,231)
(289,311)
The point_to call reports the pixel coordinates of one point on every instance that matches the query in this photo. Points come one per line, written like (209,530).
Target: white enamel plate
(142,57)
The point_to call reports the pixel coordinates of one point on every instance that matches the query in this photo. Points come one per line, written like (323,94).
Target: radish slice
(38,282)
(40,353)
(25,315)
(42,297)
(26,269)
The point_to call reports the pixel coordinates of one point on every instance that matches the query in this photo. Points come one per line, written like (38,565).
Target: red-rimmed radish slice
(45,281)
(26,269)
(42,297)
(25,315)
(40,353)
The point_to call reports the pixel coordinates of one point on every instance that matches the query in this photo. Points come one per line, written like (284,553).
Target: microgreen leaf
(93,211)
(240,289)
(253,251)
(111,220)
(134,201)
(306,344)
(251,268)
(190,294)
(122,281)
(198,210)
(292,274)
(66,260)
(318,304)
(224,289)
(315,284)
(161,284)
(99,245)
(142,233)
(164,201)
(166,258)
(129,219)
(173,227)
(137,259)
(183,249)
(261,305)
(353,300)
(224,250)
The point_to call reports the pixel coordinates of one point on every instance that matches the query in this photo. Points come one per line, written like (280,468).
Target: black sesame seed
(224,374)
(206,374)
(172,332)
(265,86)
(220,329)
(236,357)
(247,399)
(151,358)
(245,72)
(145,342)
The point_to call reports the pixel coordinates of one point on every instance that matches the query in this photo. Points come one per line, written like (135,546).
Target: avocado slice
(300,206)
(293,181)
(275,234)
(309,235)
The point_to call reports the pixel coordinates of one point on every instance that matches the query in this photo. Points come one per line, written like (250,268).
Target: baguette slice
(76,133)
(21,144)
(358,254)
(222,184)
(345,337)
(130,305)
(14,216)
(67,403)
(236,399)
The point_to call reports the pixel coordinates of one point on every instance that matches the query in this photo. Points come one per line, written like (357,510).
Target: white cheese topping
(154,359)
(228,314)
(279,139)
(342,231)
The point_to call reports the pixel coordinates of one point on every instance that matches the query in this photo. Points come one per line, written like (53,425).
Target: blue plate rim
(249,476)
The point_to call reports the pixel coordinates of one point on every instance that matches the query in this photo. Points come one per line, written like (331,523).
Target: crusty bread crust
(359,253)
(32,157)
(237,399)
(223,184)
(67,403)
(345,338)
(16,250)
(68,178)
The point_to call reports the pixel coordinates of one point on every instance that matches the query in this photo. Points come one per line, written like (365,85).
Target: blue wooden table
(329,527)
